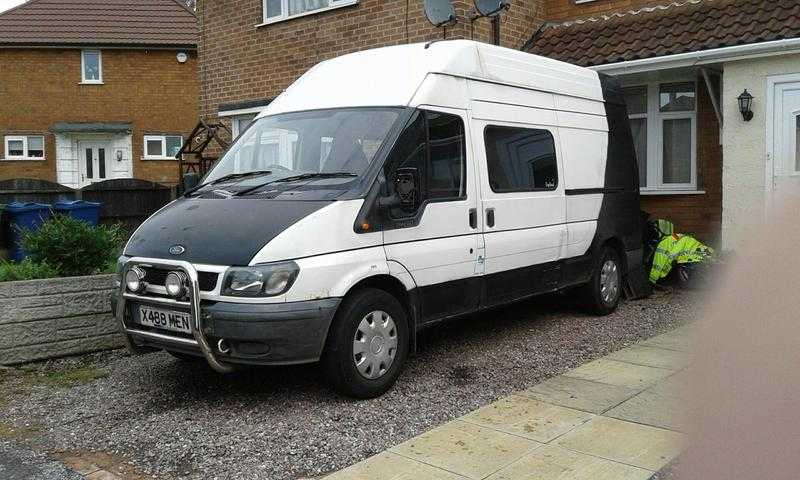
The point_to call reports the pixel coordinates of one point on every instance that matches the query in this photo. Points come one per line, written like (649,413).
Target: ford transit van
(385,191)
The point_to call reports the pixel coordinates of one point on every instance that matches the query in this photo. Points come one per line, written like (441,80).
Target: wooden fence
(126,201)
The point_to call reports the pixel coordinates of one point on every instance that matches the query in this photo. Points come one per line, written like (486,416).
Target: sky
(6,4)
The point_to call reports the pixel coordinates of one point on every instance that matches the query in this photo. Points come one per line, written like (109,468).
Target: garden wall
(41,319)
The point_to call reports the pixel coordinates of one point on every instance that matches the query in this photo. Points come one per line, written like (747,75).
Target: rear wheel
(602,294)
(368,344)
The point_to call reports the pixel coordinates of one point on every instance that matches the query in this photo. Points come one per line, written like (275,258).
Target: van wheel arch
(395,288)
(619,247)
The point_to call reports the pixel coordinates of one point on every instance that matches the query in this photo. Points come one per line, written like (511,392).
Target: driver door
(438,238)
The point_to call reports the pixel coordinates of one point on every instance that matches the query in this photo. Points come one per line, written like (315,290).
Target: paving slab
(676,385)
(654,409)
(466,449)
(528,418)
(621,374)
(580,394)
(652,357)
(555,463)
(679,339)
(638,445)
(389,465)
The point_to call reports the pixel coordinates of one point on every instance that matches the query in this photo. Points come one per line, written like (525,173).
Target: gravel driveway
(176,420)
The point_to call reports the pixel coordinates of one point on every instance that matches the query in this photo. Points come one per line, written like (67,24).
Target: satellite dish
(490,8)
(440,13)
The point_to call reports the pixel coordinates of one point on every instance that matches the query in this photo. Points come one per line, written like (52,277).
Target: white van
(385,191)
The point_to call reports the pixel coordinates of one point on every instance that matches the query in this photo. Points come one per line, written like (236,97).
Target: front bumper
(255,333)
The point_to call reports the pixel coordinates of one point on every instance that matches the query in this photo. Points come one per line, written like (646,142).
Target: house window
(162,147)
(28,147)
(277,10)
(240,123)
(91,66)
(663,118)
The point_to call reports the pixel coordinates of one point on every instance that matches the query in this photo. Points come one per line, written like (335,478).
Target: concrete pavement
(616,418)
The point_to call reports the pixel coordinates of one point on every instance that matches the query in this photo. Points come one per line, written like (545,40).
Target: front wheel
(368,344)
(603,292)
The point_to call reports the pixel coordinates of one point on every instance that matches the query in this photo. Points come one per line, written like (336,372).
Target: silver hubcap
(609,282)
(375,344)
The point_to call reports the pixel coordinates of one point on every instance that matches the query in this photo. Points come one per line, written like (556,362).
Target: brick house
(96,89)
(684,64)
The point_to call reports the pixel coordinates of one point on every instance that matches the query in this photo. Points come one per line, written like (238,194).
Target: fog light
(176,284)
(134,280)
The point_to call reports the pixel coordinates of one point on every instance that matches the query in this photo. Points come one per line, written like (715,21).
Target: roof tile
(677,27)
(99,22)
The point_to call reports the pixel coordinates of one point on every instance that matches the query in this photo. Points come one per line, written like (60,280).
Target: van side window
(520,159)
(446,172)
(434,144)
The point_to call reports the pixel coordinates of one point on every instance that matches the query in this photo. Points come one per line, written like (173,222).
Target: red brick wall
(240,61)
(562,10)
(700,215)
(150,89)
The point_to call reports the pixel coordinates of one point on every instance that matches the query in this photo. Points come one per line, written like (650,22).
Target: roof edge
(786,46)
(110,46)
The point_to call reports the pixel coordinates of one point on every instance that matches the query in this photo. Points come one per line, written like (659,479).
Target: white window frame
(334,4)
(26,155)
(84,80)
(235,132)
(655,136)
(163,139)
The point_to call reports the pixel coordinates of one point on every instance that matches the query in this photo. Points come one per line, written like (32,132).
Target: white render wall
(68,156)
(745,146)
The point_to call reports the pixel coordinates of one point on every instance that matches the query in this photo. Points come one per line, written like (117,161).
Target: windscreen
(313,142)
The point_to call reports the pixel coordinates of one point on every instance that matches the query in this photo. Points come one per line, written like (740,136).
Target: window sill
(31,159)
(305,14)
(91,83)
(158,159)
(671,192)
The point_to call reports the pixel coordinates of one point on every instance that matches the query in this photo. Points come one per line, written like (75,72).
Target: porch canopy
(91,127)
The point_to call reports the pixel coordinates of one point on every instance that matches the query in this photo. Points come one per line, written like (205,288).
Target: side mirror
(190,180)
(406,187)
(406,190)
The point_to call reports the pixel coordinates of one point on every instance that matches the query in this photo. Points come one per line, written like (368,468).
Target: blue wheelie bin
(87,211)
(26,216)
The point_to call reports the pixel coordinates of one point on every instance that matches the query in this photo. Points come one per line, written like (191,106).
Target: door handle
(473,218)
(490,217)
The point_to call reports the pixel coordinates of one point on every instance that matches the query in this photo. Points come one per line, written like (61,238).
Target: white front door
(786,139)
(93,162)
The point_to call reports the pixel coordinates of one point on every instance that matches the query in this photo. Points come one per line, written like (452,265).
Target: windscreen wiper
(296,178)
(230,176)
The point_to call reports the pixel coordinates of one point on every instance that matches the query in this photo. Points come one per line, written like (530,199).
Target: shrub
(25,270)
(73,247)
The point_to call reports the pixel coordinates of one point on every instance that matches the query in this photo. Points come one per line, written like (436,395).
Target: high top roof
(140,23)
(392,76)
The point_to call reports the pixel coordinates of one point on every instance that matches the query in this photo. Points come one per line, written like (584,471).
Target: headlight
(175,284)
(260,280)
(134,280)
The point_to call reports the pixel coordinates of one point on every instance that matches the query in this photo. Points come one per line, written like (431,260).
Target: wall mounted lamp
(746,105)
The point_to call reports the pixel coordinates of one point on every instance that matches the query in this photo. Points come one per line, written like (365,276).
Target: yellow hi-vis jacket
(677,248)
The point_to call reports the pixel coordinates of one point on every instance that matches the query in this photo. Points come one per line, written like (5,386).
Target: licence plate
(165,319)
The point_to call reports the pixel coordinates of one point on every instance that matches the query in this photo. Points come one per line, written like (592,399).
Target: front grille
(158,276)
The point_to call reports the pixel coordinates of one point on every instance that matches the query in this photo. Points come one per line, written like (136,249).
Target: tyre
(603,292)
(185,357)
(367,345)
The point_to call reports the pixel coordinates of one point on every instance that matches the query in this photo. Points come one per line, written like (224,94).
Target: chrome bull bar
(193,304)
